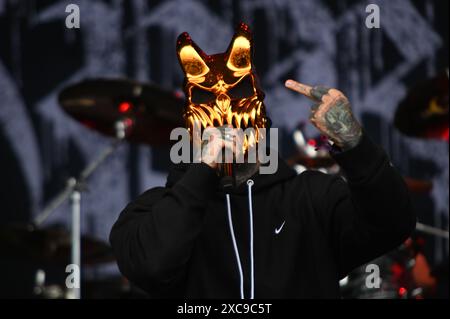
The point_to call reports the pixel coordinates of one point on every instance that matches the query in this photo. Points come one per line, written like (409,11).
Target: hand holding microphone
(214,148)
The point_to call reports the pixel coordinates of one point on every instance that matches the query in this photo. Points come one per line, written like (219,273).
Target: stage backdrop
(315,42)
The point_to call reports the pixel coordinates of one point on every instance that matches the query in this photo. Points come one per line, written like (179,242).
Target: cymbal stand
(73,190)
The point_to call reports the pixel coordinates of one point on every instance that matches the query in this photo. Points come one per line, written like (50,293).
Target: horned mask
(222,88)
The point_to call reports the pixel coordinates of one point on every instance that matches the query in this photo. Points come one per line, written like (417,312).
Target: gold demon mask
(222,89)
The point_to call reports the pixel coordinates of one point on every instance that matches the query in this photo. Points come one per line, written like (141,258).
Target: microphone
(227,176)
(226,170)
(227,183)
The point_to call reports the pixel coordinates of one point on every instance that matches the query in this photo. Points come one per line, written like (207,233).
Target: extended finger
(300,88)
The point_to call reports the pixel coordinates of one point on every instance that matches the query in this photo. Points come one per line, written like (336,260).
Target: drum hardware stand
(74,188)
(432,230)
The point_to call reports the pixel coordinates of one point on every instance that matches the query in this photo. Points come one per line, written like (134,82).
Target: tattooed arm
(369,213)
(332,114)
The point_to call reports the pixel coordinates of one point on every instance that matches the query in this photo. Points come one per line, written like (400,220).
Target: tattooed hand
(332,114)
(213,149)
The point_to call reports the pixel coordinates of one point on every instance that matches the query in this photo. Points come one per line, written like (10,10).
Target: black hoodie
(309,230)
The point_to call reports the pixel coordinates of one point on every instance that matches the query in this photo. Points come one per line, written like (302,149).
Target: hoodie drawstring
(252,264)
(236,250)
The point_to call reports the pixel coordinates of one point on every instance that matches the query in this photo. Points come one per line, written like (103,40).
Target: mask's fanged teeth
(253,116)
(245,120)
(194,121)
(205,117)
(237,121)
(251,139)
(245,143)
(229,119)
(203,122)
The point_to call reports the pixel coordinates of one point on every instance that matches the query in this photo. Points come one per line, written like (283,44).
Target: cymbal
(50,246)
(424,111)
(149,111)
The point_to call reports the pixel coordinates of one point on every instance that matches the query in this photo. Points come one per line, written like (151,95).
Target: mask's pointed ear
(192,58)
(240,51)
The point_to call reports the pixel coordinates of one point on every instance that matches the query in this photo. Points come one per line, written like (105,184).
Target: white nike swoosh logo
(278,230)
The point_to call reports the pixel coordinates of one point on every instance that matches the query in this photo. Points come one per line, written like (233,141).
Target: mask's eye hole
(200,96)
(243,89)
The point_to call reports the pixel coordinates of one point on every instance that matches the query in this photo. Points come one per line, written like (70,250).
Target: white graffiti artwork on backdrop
(17,126)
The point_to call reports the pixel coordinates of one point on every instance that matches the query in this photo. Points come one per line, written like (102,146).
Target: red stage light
(440,132)
(445,134)
(312,142)
(124,107)
(402,291)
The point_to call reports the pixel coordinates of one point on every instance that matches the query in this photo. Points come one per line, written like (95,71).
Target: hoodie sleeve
(154,235)
(370,213)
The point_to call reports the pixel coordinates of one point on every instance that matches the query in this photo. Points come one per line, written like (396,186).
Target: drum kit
(125,110)
(143,113)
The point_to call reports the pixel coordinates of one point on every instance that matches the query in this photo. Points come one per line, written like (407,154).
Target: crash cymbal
(149,111)
(424,111)
(50,246)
